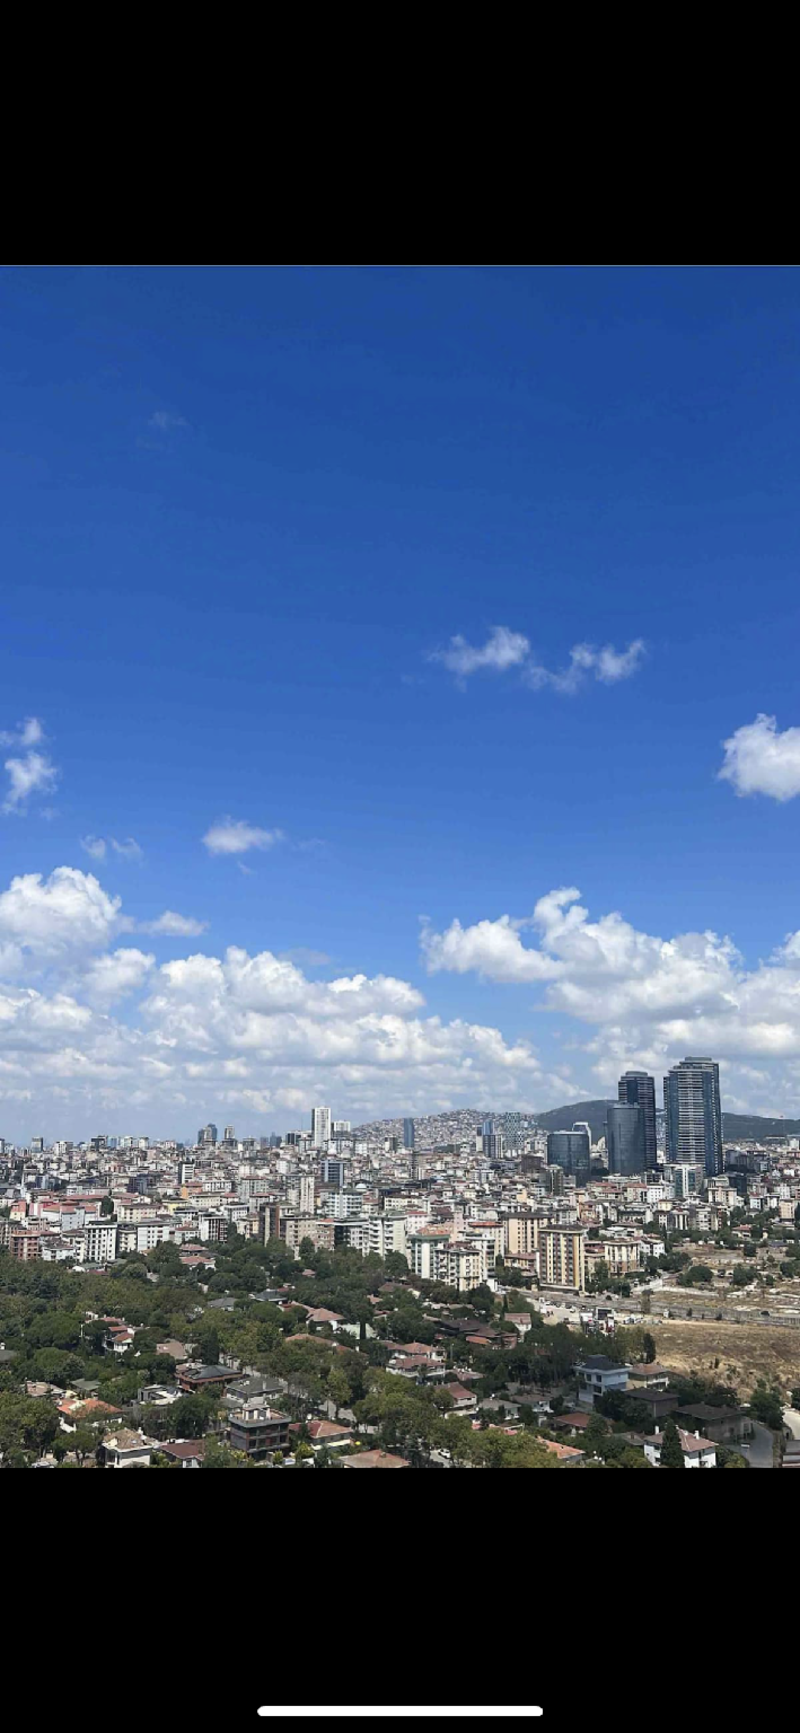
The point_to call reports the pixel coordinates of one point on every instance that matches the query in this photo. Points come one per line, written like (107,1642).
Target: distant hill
(749,1128)
(736,1127)
(563,1118)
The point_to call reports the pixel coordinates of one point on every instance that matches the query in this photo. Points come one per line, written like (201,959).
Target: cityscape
(399,934)
(607,1295)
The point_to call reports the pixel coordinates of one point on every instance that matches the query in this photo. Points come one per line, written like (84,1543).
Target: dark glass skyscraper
(570,1150)
(639,1088)
(694,1115)
(625,1137)
(409,1132)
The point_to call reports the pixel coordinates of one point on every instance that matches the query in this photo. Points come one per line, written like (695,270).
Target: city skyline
(314,577)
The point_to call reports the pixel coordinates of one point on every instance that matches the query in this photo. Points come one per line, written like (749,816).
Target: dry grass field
(745,1352)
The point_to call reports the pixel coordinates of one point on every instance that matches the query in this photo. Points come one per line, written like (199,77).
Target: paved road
(759,1453)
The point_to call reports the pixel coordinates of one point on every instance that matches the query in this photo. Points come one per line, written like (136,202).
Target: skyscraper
(694,1115)
(570,1150)
(625,1137)
(320,1127)
(511,1127)
(408,1133)
(640,1088)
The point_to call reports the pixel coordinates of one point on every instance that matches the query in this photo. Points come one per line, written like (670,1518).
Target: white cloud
(236,836)
(177,926)
(505,649)
(65,913)
(27,733)
(95,846)
(586,662)
(257,1034)
(116,974)
(253,1030)
(30,773)
(761,760)
(650,1000)
(33,774)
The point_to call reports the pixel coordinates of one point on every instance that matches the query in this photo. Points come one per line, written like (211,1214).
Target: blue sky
(244,514)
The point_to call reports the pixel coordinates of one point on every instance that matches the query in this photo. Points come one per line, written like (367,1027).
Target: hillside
(736,1127)
(749,1128)
(563,1118)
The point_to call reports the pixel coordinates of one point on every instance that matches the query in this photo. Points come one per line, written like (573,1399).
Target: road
(759,1453)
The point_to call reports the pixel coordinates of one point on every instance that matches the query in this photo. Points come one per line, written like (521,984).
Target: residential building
(424,1251)
(127,1449)
(375,1459)
(694,1115)
(597,1375)
(562,1261)
(320,1127)
(697,1452)
(259,1431)
(320,1230)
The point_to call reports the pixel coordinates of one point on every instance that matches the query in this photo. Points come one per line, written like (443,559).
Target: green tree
(671,1453)
(84,1441)
(766,1405)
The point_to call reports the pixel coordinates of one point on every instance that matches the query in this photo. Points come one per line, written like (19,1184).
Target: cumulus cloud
(30,772)
(236,836)
(253,1030)
(67,912)
(505,649)
(759,759)
(117,974)
(651,1000)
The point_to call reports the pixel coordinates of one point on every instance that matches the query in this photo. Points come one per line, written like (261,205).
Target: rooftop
(374,1459)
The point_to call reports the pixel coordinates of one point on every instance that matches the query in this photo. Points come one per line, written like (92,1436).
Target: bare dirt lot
(745,1352)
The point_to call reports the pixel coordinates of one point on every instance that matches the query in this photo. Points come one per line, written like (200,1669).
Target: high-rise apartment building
(639,1088)
(625,1137)
(694,1115)
(320,1127)
(511,1126)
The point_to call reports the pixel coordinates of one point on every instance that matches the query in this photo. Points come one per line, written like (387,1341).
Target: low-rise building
(697,1452)
(597,1375)
(127,1449)
(259,1431)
